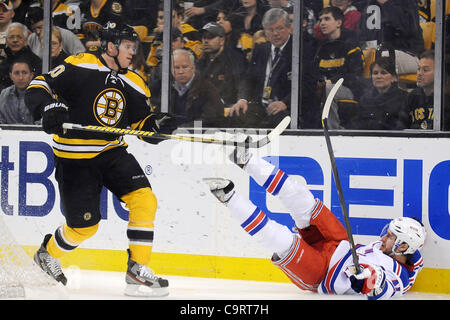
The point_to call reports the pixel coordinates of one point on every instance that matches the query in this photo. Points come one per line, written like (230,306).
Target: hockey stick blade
(327,106)
(150,134)
(325,112)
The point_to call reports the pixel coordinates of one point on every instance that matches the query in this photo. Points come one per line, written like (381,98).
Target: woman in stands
(235,37)
(382,105)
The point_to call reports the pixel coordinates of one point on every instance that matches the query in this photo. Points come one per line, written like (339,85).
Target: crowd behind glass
(231,60)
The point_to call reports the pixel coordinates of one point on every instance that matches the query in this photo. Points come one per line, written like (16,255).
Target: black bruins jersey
(95,95)
(421,109)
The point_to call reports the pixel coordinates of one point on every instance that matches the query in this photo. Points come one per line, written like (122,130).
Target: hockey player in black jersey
(99,90)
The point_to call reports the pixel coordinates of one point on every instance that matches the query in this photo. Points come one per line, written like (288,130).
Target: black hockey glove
(159,123)
(53,116)
(162,123)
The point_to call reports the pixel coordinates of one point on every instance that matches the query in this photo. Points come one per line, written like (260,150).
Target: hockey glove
(159,123)
(371,281)
(53,116)
(162,123)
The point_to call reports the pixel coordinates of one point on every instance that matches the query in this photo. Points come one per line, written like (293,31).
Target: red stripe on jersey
(275,181)
(255,222)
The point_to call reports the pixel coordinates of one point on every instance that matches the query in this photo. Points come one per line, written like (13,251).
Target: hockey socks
(67,239)
(268,233)
(142,206)
(295,196)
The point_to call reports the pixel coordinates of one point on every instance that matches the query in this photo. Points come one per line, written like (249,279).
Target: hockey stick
(140,133)
(325,112)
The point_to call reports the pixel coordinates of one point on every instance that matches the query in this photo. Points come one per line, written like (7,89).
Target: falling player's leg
(295,196)
(304,265)
(140,279)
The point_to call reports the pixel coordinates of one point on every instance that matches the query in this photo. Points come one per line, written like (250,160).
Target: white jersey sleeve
(399,278)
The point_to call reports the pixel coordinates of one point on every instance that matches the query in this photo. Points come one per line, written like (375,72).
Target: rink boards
(382,178)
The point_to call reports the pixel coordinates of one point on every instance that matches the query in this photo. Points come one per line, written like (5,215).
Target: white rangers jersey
(399,278)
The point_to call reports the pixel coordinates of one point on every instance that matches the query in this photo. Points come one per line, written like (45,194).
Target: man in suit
(264,95)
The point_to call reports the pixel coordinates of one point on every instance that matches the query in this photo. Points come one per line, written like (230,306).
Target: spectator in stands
(6,18)
(192,97)
(20,9)
(141,13)
(192,36)
(57,53)
(12,105)
(351,17)
(252,12)
(204,11)
(420,103)
(35,19)
(338,56)
(94,15)
(265,90)
(392,27)
(66,16)
(235,38)
(155,78)
(382,105)
(16,46)
(221,65)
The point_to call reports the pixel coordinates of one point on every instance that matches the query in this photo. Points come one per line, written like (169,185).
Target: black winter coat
(385,111)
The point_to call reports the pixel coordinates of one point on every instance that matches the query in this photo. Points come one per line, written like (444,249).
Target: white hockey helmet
(409,231)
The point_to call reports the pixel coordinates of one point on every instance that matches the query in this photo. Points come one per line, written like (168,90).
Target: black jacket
(200,102)
(421,109)
(24,53)
(395,25)
(341,58)
(252,85)
(385,111)
(224,72)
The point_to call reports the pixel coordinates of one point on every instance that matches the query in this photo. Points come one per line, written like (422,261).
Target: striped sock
(294,195)
(268,233)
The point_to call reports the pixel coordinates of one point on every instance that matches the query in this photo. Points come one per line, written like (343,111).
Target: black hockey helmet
(115,33)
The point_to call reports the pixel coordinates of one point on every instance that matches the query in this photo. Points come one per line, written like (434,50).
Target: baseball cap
(8,4)
(213,28)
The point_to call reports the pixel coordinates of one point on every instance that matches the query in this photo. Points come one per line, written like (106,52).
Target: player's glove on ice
(371,280)
(53,116)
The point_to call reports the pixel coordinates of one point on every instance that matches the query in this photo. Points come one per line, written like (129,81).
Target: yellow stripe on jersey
(332,63)
(91,61)
(354,50)
(136,81)
(83,148)
(39,82)
(86,60)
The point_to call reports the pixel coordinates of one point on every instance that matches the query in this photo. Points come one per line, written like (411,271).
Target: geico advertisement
(382,178)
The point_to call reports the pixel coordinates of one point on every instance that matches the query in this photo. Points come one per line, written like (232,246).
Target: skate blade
(137,290)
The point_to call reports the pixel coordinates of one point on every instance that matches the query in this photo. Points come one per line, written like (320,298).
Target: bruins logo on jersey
(109,107)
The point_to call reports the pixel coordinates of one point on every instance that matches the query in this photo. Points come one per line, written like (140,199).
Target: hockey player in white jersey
(317,257)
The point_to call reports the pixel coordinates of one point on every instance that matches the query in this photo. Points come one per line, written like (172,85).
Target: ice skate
(49,264)
(222,189)
(241,154)
(142,282)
